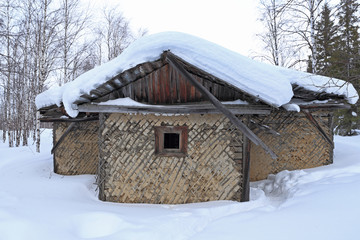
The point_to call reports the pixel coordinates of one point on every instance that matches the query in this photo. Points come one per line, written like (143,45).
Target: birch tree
(304,14)
(72,28)
(114,34)
(8,25)
(275,37)
(40,41)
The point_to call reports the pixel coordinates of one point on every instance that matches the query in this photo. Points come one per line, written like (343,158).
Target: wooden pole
(63,136)
(171,59)
(318,127)
(245,194)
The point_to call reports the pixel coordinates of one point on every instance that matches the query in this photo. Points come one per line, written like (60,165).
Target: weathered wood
(298,146)
(87,119)
(137,175)
(264,128)
(240,125)
(325,106)
(78,153)
(318,127)
(173,109)
(245,195)
(63,137)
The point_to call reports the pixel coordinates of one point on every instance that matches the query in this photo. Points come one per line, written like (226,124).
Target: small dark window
(171,141)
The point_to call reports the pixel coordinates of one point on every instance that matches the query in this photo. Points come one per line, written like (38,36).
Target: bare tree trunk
(37,131)
(275,38)
(312,10)
(9,71)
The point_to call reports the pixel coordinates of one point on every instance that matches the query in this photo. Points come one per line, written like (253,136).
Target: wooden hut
(168,131)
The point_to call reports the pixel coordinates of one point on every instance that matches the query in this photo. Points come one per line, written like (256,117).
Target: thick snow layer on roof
(269,83)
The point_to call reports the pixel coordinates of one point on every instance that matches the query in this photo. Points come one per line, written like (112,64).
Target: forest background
(44,43)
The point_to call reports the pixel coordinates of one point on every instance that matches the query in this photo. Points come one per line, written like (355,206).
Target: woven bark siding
(129,171)
(78,153)
(299,146)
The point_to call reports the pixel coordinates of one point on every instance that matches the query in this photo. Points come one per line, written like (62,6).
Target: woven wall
(299,146)
(78,153)
(130,171)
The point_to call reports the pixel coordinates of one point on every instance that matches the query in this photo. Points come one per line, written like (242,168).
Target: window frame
(171,152)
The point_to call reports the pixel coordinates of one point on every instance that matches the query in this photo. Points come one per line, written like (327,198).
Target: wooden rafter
(68,130)
(171,59)
(317,125)
(86,119)
(174,109)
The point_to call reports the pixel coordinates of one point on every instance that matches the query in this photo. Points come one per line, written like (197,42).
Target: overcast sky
(230,23)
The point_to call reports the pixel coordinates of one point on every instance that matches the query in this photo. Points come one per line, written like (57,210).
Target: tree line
(51,42)
(317,36)
(45,43)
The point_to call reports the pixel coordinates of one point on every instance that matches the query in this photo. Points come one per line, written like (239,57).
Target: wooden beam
(245,193)
(87,119)
(326,106)
(265,128)
(171,59)
(318,127)
(172,109)
(63,137)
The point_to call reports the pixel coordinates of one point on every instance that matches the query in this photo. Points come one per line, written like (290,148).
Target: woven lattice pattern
(129,171)
(78,153)
(299,146)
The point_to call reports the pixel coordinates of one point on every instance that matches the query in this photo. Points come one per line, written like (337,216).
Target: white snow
(236,102)
(132,103)
(266,82)
(312,204)
(123,102)
(305,103)
(291,107)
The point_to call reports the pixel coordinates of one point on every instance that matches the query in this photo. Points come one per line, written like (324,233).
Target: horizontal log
(87,119)
(325,106)
(173,109)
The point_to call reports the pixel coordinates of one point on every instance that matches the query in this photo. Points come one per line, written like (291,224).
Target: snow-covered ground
(321,203)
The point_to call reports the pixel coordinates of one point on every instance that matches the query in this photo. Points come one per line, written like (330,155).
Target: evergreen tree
(347,61)
(326,37)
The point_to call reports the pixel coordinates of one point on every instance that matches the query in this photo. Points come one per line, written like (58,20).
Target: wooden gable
(165,85)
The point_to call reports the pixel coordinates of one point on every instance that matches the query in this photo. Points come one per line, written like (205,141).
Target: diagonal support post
(318,127)
(63,137)
(171,59)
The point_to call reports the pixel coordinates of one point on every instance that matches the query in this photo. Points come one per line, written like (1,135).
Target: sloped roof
(271,84)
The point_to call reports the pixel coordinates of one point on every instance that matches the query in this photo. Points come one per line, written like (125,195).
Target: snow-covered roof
(271,84)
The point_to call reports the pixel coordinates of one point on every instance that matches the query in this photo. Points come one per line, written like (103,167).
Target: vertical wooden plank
(206,84)
(167,89)
(143,89)
(172,86)
(197,93)
(149,84)
(188,91)
(137,89)
(178,87)
(245,194)
(130,90)
(158,86)
(183,84)
(192,96)
(154,84)
(162,86)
